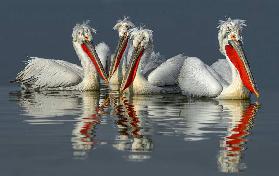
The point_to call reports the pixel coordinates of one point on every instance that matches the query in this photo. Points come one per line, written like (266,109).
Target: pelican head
(230,41)
(230,30)
(123,26)
(141,39)
(83,33)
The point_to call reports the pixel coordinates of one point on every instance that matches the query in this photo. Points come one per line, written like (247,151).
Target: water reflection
(241,115)
(133,133)
(56,108)
(83,134)
(140,119)
(196,120)
(48,107)
(177,116)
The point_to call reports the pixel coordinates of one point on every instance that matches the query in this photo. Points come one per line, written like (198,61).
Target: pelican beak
(122,45)
(235,52)
(89,49)
(133,67)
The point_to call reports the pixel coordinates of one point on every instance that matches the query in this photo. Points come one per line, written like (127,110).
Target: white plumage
(197,78)
(167,73)
(51,74)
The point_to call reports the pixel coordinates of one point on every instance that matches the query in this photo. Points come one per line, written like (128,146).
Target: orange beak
(122,45)
(133,67)
(236,55)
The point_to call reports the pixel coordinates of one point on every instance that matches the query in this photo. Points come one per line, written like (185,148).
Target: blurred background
(43,29)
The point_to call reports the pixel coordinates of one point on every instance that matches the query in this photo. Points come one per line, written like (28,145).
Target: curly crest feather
(125,21)
(229,26)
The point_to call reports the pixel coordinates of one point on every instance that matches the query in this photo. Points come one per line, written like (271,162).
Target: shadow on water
(140,119)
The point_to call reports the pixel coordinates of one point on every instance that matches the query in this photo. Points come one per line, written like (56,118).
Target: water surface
(74,133)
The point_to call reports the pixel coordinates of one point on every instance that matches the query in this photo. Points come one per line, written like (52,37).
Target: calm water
(73,133)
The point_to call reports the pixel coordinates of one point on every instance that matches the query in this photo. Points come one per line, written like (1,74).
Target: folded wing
(49,73)
(198,79)
(167,73)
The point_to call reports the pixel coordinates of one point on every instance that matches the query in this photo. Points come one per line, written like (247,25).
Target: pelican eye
(228,31)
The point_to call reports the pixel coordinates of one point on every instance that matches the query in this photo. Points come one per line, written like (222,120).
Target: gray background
(43,28)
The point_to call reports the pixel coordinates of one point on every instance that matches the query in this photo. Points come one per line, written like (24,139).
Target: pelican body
(50,74)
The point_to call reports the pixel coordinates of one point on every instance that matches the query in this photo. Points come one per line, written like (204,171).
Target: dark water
(73,133)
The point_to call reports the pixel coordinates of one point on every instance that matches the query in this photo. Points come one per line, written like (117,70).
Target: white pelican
(225,79)
(119,61)
(147,73)
(50,74)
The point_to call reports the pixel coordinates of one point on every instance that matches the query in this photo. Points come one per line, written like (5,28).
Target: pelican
(119,61)
(50,74)
(228,78)
(147,73)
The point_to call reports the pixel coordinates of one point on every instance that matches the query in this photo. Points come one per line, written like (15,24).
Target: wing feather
(167,73)
(222,67)
(151,63)
(198,79)
(49,73)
